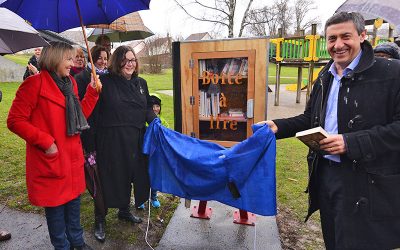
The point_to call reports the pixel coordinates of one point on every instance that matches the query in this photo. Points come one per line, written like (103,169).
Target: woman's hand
(271,125)
(96,84)
(52,149)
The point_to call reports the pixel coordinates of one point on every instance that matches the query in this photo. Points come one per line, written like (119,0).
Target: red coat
(38,116)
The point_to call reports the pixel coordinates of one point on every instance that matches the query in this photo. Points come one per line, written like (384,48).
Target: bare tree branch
(220,12)
(243,24)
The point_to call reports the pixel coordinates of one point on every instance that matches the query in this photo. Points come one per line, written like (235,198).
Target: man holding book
(355,173)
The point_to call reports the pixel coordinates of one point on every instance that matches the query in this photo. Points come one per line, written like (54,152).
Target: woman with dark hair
(47,114)
(100,57)
(124,108)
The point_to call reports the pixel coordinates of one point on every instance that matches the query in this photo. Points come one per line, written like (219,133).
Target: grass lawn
(13,187)
(291,171)
(21,59)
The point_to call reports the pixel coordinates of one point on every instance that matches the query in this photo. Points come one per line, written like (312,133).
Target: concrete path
(218,233)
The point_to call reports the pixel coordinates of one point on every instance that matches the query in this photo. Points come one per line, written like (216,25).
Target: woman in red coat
(46,113)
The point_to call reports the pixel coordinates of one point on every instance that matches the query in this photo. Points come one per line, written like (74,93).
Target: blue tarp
(194,169)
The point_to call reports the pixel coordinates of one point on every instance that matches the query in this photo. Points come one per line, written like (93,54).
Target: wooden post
(311,66)
(98,86)
(299,81)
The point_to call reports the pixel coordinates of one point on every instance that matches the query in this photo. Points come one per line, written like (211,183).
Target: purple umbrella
(60,15)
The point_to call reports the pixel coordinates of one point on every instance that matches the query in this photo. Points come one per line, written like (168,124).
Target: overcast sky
(164,16)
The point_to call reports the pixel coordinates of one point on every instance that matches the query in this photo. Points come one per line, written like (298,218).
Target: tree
(219,12)
(157,53)
(261,20)
(283,15)
(301,9)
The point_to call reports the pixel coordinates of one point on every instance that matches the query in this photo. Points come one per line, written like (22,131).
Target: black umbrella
(16,34)
(93,183)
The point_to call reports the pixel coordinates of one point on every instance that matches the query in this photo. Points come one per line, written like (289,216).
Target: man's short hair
(101,38)
(342,17)
(53,55)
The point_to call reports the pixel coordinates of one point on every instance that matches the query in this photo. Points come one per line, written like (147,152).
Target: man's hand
(33,69)
(333,144)
(271,125)
(52,149)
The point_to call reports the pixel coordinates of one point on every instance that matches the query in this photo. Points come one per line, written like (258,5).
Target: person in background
(100,57)
(104,40)
(387,50)
(47,114)
(33,67)
(354,179)
(155,100)
(124,108)
(79,62)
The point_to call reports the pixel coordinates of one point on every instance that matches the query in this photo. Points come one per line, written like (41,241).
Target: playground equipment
(299,51)
(309,51)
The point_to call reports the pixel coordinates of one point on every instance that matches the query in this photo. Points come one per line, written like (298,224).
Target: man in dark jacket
(355,178)
(33,64)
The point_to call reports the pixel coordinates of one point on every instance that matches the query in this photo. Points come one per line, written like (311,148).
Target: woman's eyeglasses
(131,61)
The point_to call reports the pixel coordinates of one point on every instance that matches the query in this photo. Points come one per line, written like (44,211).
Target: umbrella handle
(96,80)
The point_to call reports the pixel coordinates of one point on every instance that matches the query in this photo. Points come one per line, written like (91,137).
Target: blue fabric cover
(194,169)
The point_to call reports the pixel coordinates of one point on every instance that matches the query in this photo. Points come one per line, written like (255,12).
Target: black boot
(125,214)
(99,224)
(99,229)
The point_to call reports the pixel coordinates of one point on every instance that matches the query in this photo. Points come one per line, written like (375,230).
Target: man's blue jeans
(64,225)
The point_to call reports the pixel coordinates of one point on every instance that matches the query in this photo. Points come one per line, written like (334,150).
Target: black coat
(35,63)
(87,136)
(369,119)
(123,109)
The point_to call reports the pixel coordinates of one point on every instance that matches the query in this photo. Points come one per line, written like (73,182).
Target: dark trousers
(64,225)
(331,200)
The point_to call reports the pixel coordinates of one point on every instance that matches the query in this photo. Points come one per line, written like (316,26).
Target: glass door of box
(223,91)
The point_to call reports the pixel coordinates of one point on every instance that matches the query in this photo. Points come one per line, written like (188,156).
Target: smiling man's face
(343,42)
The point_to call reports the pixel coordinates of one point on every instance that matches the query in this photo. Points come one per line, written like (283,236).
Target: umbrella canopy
(16,34)
(127,28)
(120,36)
(387,9)
(59,15)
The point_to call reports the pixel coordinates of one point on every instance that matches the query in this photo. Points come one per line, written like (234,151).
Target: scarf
(76,70)
(98,71)
(76,121)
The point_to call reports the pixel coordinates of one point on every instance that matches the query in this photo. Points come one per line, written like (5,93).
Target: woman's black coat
(369,119)
(123,110)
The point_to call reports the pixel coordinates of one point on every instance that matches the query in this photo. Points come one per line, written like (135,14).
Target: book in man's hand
(311,137)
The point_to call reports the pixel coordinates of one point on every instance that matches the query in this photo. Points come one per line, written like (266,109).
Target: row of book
(209,105)
(228,66)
